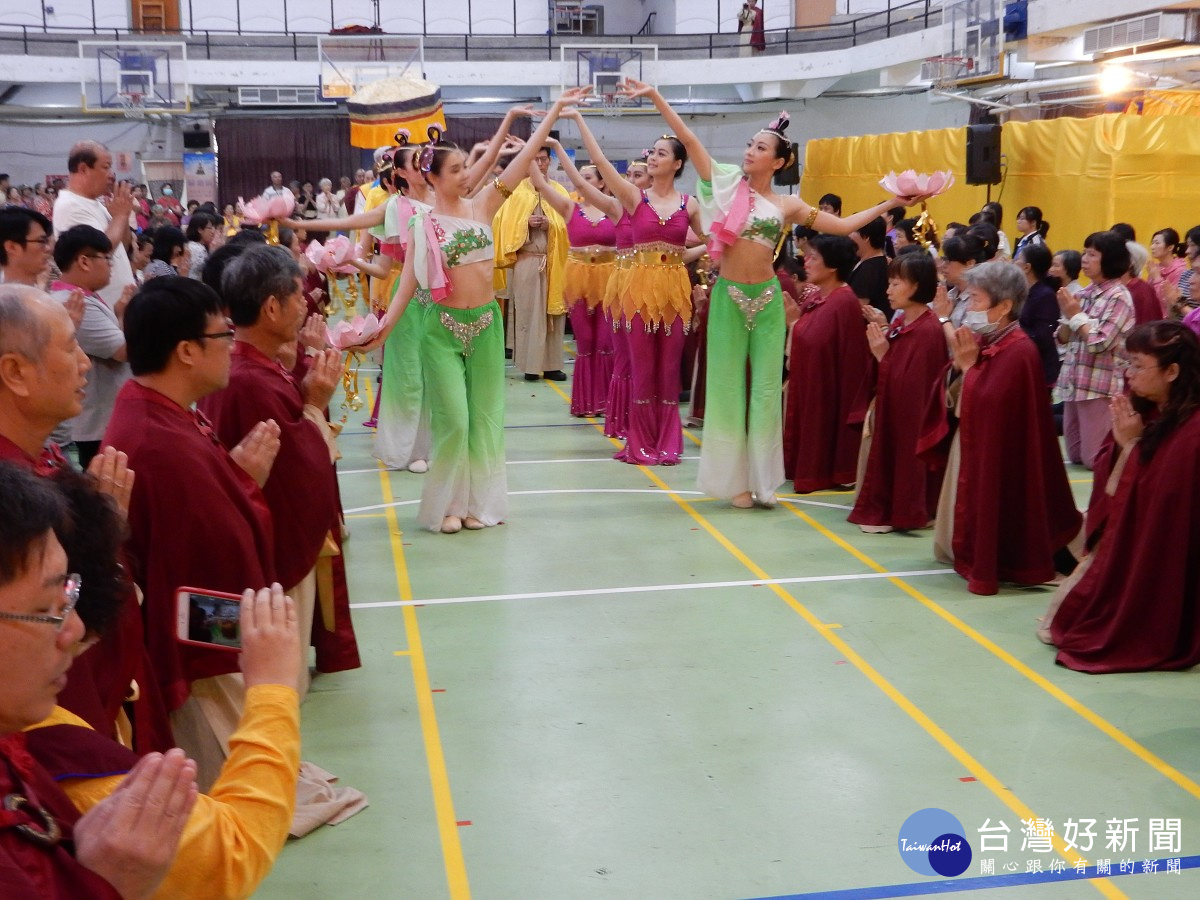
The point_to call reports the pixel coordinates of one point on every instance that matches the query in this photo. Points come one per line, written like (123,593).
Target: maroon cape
(899,488)
(1138,606)
(302,489)
(195,520)
(758,38)
(1146,305)
(99,679)
(830,376)
(28,869)
(1014,508)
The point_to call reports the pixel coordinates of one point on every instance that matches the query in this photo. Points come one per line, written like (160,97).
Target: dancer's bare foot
(743,500)
(472,524)
(451,525)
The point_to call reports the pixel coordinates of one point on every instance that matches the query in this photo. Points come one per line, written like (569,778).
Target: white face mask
(978,322)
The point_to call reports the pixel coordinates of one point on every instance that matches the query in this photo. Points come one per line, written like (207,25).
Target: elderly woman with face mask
(1006,508)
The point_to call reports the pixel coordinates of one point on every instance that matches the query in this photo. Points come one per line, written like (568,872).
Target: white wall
(396,16)
(714,16)
(29,152)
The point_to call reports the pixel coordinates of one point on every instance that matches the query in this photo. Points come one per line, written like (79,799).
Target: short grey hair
(1138,257)
(22,329)
(324,181)
(259,272)
(1000,280)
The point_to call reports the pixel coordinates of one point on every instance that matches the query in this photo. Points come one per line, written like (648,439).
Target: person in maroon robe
(123,848)
(197,516)
(264,293)
(750,26)
(41,365)
(1013,509)
(1135,608)
(830,373)
(1147,307)
(899,490)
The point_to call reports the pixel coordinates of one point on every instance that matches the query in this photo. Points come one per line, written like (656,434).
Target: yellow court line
(1103,725)
(439,779)
(377,515)
(443,803)
(951,746)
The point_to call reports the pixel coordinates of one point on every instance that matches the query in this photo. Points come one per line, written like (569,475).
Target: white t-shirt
(73,209)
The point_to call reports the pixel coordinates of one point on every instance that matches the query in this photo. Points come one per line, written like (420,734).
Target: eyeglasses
(219,335)
(71,586)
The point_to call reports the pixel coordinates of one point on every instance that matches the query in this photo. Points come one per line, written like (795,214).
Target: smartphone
(208,618)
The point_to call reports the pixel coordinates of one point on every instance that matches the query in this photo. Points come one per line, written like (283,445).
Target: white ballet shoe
(418,467)
(451,525)
(743,501)
(472,524)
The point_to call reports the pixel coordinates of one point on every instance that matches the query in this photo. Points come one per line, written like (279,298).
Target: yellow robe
(510,231)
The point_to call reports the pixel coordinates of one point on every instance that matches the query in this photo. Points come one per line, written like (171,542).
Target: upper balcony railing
(898,19)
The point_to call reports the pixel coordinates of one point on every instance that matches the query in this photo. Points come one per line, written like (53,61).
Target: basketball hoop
(943,72)
(610,105)
(132,104)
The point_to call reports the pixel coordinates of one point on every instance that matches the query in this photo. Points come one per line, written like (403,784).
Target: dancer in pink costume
(657,304)
(591,230)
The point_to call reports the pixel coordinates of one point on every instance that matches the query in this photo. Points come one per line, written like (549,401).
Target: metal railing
(905,18)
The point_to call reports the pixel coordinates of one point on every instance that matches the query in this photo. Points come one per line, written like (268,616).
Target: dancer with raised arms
(658,298)
(451,254)
(591,230)
(742,456)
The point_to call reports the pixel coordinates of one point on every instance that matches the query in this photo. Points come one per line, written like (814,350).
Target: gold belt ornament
(659,253)
(584,255)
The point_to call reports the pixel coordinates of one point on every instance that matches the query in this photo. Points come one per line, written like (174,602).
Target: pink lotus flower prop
(909,184)
(264,209)
(352,332)
(334,256)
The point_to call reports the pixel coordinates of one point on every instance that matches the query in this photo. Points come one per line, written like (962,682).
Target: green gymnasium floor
(631,691)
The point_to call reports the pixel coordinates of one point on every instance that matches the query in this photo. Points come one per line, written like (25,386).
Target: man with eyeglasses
(197,516)
(80,203)
(124,847)
(262,289)
(83,255)
(25,239)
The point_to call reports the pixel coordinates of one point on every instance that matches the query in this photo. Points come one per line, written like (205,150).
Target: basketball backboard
(148,75)
(604,66)
(974,32)
(349,62)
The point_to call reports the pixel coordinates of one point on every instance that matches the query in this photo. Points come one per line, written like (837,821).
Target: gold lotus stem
(273,232)
(926,229)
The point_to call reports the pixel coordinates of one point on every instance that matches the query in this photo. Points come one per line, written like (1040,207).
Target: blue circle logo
(932,843)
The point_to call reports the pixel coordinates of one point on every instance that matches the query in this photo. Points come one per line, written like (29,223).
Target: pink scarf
(428,259)
(729,224)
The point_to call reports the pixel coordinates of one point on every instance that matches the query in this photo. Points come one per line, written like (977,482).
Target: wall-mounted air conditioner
(1140,31)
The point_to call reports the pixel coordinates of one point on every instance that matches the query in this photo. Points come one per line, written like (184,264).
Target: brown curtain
(312,148)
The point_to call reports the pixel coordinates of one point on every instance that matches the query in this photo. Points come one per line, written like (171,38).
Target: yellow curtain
(1084,174)
(1170,103)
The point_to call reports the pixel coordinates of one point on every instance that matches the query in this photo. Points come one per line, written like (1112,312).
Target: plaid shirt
(1094,367)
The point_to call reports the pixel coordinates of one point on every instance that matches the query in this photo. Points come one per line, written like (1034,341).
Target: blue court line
(983,883)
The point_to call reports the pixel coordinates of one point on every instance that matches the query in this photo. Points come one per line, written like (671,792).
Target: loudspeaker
(197,140)
(983,154)
(790,175)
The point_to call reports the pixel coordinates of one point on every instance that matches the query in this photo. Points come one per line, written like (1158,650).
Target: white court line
(510,462)
(360,509)
(816,503)
(651,588)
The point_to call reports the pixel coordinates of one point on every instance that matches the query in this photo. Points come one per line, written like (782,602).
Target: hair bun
(780,124)
(401,137)
(435,133)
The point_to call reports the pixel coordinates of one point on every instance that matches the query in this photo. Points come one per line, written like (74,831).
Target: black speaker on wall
(983,154)
(197,140)
(790,175)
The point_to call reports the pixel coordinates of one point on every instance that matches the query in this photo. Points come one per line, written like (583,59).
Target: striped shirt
(1094,366)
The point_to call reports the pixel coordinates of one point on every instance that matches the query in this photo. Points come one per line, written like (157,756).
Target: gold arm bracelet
(501,188)
(813,212)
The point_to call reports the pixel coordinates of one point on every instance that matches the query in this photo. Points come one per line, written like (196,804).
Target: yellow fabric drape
(510,230)
(1168,103)
(1084,174)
